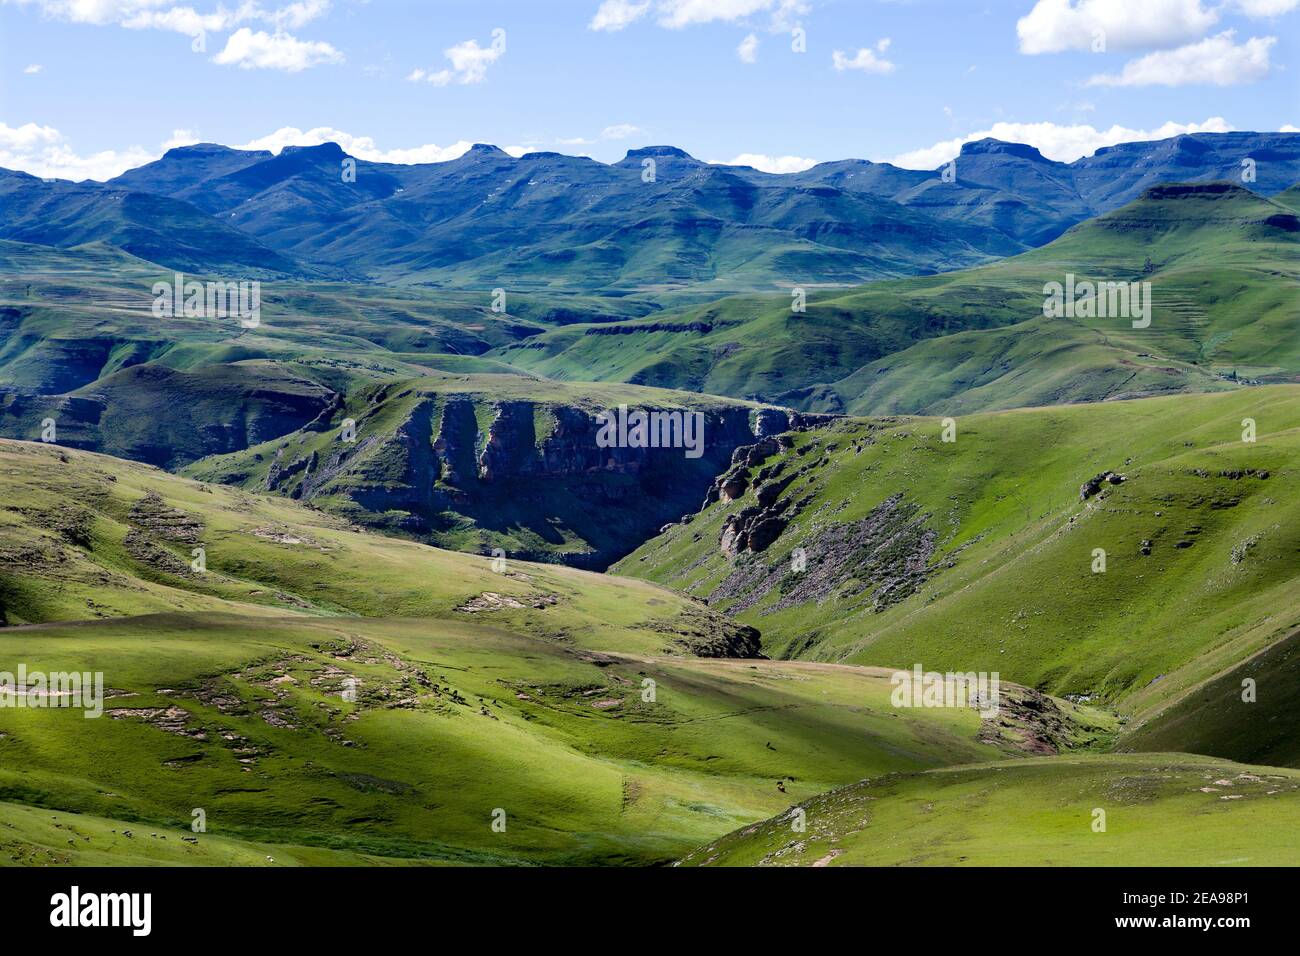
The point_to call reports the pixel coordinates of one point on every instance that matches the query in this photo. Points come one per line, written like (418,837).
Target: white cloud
(299,14)
(1266,8)
(1053,26)
(33,68)
(181,20)
(166,15)
(469,62)
(1288,128)
(770,164)
(261,50)
(1216,61)
(613,15)
(44,151)
(245,48)
(1062,143)
(748,49)
(620,131)
(866,60)
(675,14)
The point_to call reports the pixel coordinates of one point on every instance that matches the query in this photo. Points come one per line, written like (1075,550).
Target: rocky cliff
(479,471)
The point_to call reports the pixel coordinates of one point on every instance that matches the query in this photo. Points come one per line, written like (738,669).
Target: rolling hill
(1223,266)
(1160,810)
(980,554)
(577,704)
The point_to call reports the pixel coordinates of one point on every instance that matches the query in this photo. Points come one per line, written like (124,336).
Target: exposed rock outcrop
(885,556)
(1094,484)
(528,477)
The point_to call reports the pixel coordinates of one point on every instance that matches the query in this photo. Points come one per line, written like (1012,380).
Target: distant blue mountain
(547,220)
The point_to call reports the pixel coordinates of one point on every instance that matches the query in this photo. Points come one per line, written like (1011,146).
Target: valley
(367,585)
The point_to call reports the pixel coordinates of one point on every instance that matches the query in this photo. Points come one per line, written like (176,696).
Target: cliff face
(478,473)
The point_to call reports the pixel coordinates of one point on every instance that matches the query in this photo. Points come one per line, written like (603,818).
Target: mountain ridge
(549,220)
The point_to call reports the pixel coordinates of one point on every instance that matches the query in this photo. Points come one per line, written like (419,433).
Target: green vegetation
(1160,810)
(1246,714)
(523,690)
(978,554)
(1222,263)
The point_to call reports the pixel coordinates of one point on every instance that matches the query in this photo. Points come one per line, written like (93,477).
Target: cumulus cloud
(469,62)
(1216,61)
(184,20)
(32,68)
(748,49)
(770,164)
(675,14)
(1260,9)
(866,59)
(167,15)
(614,15)
(44,151)
(619,131)
(1054,26)
(244,48)
(1062,143)
(260,50)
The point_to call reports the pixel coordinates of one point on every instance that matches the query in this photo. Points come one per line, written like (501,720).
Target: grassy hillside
(524,690)
(244,718)
(1226,306)
(1246,713)
(73,316)
(86,536)
(1160,810)
(978,554)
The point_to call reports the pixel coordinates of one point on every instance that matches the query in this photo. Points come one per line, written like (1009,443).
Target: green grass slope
(1246,714)
(245,719)
(87,536)
(1159,810)
(576,703)
(978,554)
(1222,263)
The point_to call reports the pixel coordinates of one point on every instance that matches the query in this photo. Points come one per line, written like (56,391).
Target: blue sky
(91,87)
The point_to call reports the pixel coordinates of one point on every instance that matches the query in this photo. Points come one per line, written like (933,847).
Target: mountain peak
(199,150)
(484,150)
(991,147)
(321,150)
(658,152)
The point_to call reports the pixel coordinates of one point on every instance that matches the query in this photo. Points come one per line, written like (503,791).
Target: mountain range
(550,221)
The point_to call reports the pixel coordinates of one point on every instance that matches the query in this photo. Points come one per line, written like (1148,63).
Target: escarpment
(539,480)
